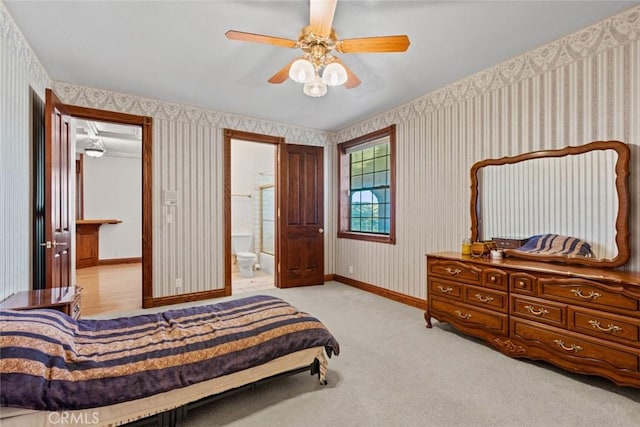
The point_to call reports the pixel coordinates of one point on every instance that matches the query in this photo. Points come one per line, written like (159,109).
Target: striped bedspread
(48,361)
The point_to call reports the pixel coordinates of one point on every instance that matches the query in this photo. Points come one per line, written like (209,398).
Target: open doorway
(108,159)
(251,197)
(54,203)
(253,216)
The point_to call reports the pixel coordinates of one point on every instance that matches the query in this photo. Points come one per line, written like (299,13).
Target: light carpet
(392,371)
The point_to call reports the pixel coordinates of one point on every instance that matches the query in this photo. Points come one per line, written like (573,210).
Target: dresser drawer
(539,310)
(586,293)
(522,283)
(455,271)
(575,347)
(469,316)
(495,278)
(445,288)
(608,326)
(484,297)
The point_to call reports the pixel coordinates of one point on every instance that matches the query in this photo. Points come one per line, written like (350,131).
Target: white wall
(248,159)
(19,71)
(113,190)
(572,91)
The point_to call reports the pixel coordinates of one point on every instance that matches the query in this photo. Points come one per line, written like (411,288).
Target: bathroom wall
(252,165)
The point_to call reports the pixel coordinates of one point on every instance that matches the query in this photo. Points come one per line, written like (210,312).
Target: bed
(54,369)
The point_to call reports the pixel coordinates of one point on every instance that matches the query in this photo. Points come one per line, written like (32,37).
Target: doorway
(253,214)
(108,159)
(47,145)
(299,212)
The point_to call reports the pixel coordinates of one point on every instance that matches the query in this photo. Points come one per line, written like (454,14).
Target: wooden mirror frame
(622,174)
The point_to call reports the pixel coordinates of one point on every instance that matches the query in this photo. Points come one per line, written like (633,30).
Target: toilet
(240,245)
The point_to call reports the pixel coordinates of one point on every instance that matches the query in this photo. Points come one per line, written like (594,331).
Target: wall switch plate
(351,269)
(178,283)
(170,197)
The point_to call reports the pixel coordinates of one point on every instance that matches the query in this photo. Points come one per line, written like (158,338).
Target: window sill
(378,238)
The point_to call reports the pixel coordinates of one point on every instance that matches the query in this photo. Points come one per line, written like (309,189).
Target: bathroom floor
(260,281)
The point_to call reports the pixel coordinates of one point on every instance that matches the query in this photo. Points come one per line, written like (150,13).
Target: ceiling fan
(317,68)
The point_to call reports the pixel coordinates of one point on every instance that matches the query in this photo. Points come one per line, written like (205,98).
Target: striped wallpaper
(583,87)
(19,71)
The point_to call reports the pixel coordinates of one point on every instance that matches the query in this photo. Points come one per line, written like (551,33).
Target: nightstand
(66,300)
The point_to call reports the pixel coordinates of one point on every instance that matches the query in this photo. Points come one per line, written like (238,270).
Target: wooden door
(57,215)
(300,216)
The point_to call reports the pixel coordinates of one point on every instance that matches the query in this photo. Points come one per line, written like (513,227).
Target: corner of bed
(127,369)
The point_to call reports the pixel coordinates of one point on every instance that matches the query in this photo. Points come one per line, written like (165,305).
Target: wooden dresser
(582,319)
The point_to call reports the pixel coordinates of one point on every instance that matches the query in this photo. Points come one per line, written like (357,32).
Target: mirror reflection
(574,192)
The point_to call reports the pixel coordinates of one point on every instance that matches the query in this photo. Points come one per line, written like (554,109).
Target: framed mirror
(580,192)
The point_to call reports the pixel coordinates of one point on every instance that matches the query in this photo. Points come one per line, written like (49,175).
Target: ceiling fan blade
(352,79)
(259,38)
(321,16)
(374,44)
(282,74)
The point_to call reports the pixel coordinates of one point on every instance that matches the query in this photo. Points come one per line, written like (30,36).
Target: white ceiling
(118,140)
(176,50)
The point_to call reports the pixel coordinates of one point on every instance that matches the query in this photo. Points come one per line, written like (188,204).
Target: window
(367,187)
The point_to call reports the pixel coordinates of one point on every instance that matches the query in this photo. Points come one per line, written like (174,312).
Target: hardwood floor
(110,288)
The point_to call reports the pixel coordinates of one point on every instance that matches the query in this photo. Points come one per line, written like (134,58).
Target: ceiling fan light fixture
(302,71)
(315,88)
(334,74)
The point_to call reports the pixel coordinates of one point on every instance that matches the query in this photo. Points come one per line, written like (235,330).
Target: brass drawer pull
(493,278)
(444,290)
(453,271)
(610,327)
(540,312)
(483,299)
(463,315)
(592,295)
(573,347)
(520,284)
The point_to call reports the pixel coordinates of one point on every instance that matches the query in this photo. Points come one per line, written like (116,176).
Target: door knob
(48,244)
(320,230)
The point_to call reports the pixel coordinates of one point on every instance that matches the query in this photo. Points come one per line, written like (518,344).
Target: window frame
(344,184)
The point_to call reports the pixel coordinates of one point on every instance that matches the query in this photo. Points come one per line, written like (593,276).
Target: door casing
(145,122)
